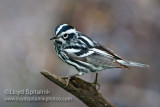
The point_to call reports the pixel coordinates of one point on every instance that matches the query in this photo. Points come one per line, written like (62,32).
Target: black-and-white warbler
(85,54)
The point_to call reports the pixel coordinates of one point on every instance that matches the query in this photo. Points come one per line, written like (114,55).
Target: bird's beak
(53,38)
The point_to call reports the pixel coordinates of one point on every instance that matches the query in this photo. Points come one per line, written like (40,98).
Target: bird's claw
(95,83)
(68,79)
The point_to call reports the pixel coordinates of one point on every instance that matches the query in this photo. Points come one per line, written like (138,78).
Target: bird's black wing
(97,56)
(104,57)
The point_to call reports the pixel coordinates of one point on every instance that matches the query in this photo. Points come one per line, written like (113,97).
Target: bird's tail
(130,63)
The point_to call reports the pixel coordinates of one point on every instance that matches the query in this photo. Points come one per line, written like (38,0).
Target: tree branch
(83,90)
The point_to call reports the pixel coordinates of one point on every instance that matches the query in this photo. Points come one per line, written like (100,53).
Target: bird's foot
(95,83)
(68,79)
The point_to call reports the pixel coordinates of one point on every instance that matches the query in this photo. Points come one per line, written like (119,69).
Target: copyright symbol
(6,91)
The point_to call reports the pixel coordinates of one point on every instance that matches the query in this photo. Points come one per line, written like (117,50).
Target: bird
(85,54)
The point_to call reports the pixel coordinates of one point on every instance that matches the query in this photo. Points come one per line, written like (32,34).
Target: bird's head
(64,34)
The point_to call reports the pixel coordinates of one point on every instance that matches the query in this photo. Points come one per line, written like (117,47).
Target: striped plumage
(85,54)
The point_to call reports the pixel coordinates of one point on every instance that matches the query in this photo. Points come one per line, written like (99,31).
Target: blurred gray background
(131,28)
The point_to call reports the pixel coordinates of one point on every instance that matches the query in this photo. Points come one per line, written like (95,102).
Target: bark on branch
(83,90)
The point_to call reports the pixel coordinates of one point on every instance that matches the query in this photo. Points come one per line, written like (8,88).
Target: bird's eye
(65,36)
